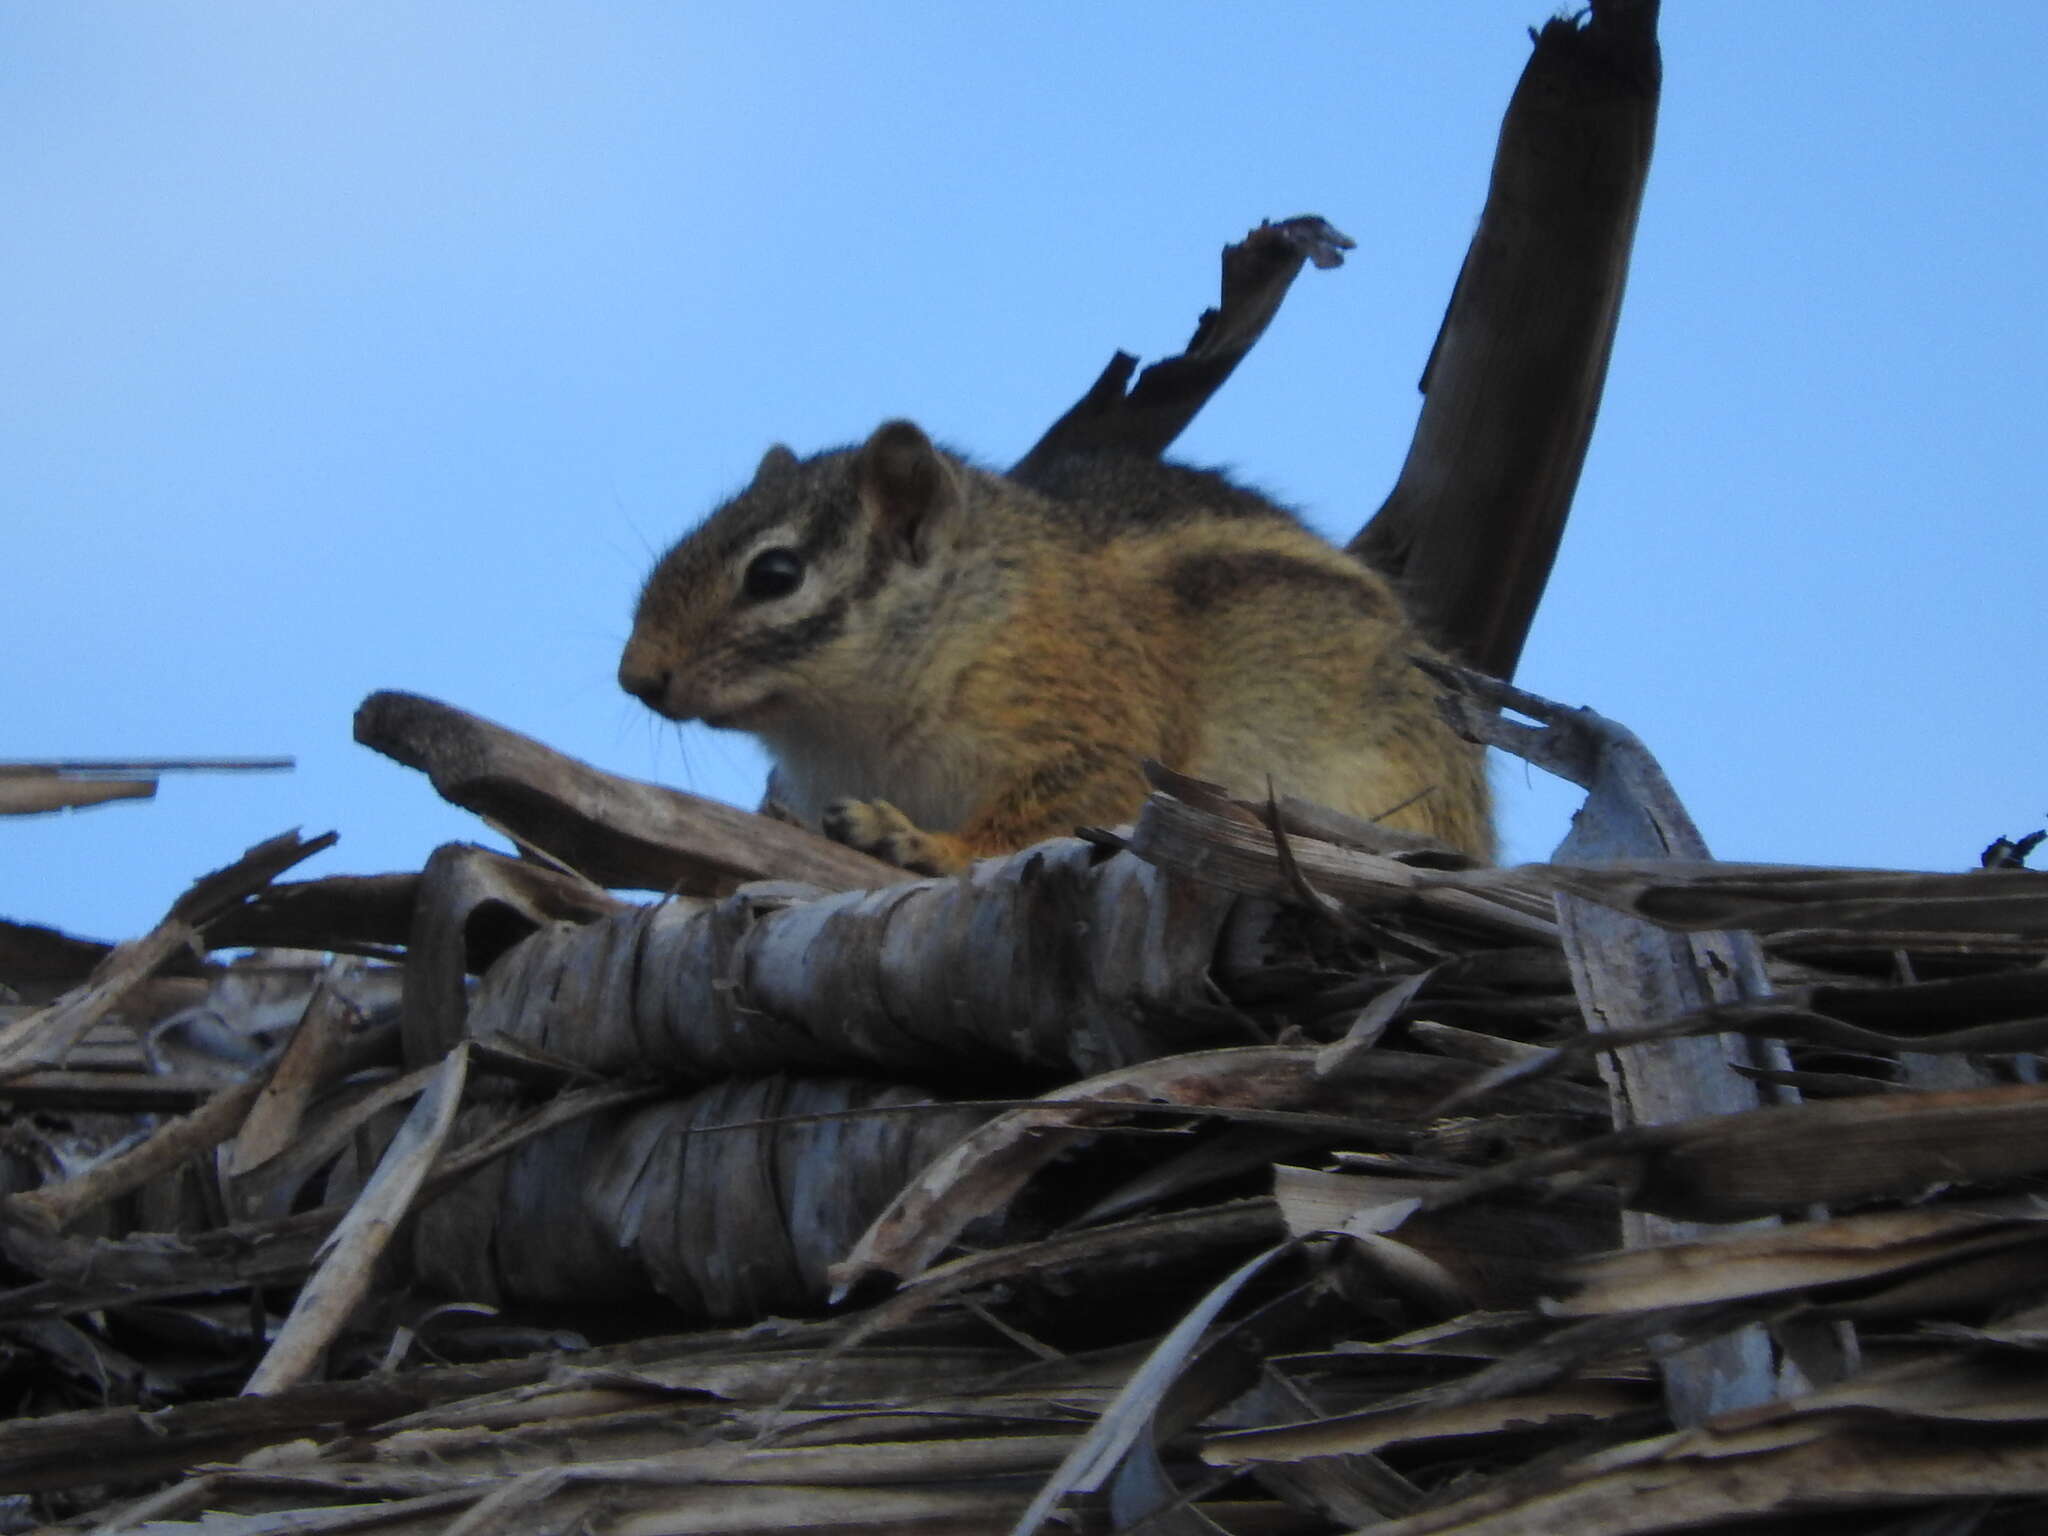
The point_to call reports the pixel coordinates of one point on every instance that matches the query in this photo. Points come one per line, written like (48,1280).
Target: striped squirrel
(946,663)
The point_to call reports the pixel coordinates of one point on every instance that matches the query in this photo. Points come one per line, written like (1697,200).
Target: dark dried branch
(58,1206)
(1514,381)
(1257,272)
(2010,852)
(58,1450)
(26,791)
(349,1258)
(617,832)
(347,914)
(43,1038)
(38,962)
(1223,850)
(121,767)
(149,1093)
(474,905)
(1787,1158)
(2000,904)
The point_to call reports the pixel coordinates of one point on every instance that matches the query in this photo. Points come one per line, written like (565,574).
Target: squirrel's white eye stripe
(781,536)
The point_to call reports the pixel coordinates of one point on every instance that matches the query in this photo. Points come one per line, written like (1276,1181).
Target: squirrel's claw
(877,827)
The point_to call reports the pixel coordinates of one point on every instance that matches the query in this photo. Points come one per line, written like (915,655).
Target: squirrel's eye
(773,573)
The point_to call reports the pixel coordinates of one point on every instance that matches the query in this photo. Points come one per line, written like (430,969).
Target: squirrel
(947,663)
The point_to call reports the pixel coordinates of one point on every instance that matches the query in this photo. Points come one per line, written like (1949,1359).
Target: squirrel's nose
(646,682)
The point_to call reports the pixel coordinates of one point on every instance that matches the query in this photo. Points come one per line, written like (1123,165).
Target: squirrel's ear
(909,487)
(776,464)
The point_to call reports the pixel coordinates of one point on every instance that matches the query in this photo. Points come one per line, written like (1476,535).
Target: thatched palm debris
(1246,1166)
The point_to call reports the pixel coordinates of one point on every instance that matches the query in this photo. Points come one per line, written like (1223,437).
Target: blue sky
(366,345)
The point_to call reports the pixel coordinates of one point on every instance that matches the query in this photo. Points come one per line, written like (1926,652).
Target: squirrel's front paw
(877,827)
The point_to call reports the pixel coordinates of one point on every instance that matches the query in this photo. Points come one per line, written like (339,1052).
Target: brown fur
(968,666)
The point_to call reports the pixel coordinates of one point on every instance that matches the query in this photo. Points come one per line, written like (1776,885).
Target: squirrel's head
(771,605)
